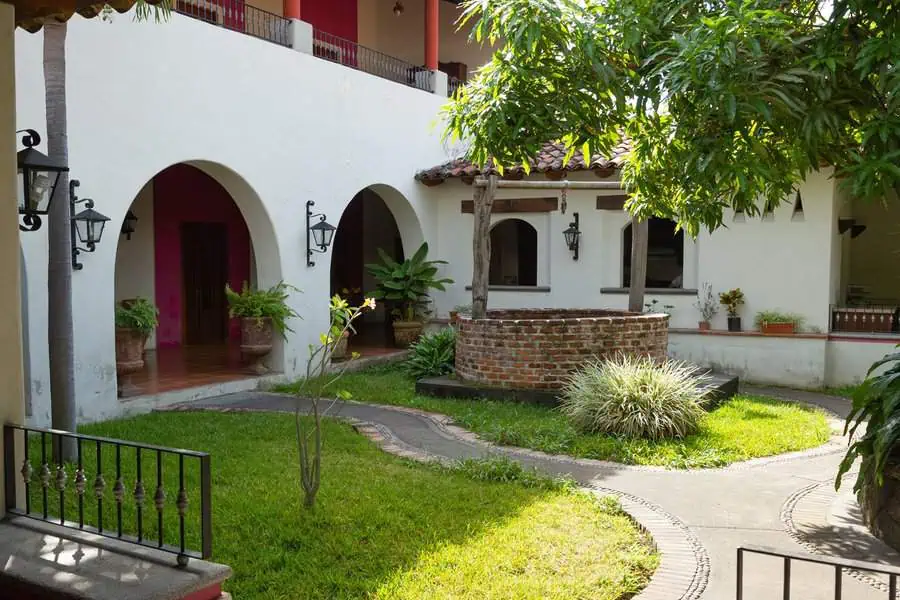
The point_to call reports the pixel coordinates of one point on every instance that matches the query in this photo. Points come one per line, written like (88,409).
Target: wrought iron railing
(237,15)
(840,566)
(77,494)
(350,54)
(453,84)
(866,319)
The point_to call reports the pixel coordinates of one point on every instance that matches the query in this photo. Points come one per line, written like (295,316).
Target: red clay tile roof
(550,158)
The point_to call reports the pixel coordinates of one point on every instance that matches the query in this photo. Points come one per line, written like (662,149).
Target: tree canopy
(728,103)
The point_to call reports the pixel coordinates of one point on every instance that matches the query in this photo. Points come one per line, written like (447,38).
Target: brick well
(538,348)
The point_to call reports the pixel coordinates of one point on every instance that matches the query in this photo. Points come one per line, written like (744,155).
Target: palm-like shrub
(635,397)
(433,354)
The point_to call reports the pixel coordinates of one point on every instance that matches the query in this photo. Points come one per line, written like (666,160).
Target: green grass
(845,391)
(384,527)
(743,428)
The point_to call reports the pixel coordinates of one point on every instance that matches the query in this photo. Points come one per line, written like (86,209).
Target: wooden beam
(481,182)
(481,247)
(616,202)
(515,205)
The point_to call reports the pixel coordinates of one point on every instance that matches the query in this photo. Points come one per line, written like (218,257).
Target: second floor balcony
(415,43)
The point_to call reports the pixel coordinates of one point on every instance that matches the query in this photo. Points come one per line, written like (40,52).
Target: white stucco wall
(135,258)
(848,359)
(275,127)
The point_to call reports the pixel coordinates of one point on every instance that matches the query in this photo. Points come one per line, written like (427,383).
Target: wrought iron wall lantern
(318,236)
(573,236)
(128,224)
(39,175)
(87,225)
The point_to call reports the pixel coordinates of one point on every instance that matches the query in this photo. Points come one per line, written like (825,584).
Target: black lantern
(87,226)
(319,234)
(128,224)
(573,236)
(39,175)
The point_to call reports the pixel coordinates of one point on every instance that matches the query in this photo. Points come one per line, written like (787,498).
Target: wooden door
(204,267)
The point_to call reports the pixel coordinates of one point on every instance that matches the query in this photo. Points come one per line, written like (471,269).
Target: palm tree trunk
(640,232)
(59,279)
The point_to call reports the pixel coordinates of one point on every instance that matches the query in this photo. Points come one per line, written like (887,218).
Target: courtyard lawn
(387,528)
(742,428)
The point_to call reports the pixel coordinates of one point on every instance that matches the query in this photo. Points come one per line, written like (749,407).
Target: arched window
(513,253)
(665,255)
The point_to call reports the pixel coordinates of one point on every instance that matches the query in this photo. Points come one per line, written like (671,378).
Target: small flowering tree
(309,434)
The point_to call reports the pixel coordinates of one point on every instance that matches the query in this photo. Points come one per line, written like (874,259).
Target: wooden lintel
(515,205)
(616,202)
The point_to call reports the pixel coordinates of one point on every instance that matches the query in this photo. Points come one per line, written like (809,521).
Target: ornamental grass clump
(636,398)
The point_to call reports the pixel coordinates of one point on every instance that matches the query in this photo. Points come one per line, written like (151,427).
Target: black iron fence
(350,54)
(138,493)
(237,15)
(865,319)
(839,565)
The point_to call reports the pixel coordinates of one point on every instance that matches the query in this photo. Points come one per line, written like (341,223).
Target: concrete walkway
(697,518)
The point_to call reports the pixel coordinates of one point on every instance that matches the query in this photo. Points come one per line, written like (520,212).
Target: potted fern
(407,283)
(262,313)
(136,319)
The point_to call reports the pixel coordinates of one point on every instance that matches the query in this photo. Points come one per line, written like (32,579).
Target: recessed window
(513,254)
(665,255)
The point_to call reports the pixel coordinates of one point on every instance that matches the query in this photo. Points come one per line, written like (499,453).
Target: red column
(292,9)
(431,34)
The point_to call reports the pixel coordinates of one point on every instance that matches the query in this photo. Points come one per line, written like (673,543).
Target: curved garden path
(697,518)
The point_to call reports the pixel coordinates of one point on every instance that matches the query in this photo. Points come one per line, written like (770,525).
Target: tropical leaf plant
(877,403)
(407,282)
(434,354)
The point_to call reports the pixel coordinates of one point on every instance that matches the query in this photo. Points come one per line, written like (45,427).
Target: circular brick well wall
(537,348)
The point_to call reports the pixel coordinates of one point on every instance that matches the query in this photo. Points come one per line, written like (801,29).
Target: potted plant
(136,319)
(774,322)
(460,309)
(262,313)
(732,300)
(341,326)
(708,307)
(407,283)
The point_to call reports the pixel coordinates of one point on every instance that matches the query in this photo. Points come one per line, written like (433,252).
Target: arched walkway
(193,236)
(378,217)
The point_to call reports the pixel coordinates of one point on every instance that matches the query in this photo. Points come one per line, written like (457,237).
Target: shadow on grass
(376,514)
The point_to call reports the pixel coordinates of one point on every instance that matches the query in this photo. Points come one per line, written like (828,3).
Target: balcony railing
(866,319)
(453,84)
(239,16)
(141,494)
(839,565)
(350,54)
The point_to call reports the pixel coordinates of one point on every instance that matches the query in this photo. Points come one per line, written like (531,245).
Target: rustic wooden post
(640,232)
(481,246)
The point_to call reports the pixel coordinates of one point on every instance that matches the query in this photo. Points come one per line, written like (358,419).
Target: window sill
(515,288)
(652,291)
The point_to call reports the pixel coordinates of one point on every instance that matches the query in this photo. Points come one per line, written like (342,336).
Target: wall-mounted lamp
(86,225)
(318,236)
(128,224)
(573,236)
(39,174)
(398,8)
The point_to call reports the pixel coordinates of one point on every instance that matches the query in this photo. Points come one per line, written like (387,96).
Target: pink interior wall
(182,194)
(337,17)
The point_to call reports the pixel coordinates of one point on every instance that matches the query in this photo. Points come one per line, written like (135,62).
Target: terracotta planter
(256,341)
(340,347)
(407,332)
(778,328)
(704,326)
(129,359)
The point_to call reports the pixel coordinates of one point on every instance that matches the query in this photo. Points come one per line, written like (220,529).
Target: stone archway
(200,226)
(378,216)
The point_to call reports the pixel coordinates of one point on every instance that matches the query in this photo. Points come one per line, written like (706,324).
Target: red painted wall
(337,17)
(181,194)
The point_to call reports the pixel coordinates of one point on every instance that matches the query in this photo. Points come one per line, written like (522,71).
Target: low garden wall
(538,348)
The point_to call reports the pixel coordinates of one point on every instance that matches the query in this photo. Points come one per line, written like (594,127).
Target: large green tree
(727,103)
